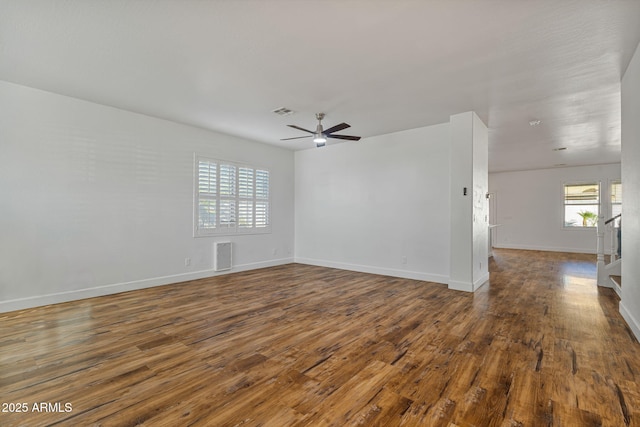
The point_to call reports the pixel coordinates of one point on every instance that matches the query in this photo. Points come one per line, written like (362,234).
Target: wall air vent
(222,256)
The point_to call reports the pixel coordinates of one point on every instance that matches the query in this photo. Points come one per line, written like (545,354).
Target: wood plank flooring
(296,345)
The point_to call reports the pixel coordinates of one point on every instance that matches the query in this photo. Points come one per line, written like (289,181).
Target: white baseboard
(545,248)
(469,286)
(460,286)
(405,274)
(631,321)
(59,297)
(484,279)
(260,264)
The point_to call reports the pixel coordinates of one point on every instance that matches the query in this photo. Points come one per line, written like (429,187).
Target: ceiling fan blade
(299,128)
(337,128)
(347,137)
(297,137)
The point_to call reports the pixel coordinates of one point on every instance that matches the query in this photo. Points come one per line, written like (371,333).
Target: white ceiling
(380,65)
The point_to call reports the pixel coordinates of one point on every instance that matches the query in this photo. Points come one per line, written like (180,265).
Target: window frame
(595,183)
(238,195)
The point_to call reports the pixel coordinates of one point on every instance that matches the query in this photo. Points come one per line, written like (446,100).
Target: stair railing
(615,234)
(612,227)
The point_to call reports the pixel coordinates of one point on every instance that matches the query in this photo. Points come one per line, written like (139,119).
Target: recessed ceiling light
(283,111)
(560,149)
(535,122)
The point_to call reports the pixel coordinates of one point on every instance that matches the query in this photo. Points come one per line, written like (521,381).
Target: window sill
(231,233)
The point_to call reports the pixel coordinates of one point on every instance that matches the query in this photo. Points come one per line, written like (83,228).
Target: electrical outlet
(404,260)
(187,262)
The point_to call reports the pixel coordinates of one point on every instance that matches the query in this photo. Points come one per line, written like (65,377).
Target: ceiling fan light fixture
(320,140)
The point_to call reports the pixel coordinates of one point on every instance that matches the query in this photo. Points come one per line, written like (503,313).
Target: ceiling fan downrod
(319,137)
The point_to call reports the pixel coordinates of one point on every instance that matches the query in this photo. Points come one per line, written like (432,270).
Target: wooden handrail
(612,219)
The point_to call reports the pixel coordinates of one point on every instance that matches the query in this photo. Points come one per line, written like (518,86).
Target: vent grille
(222,256)
(283,111)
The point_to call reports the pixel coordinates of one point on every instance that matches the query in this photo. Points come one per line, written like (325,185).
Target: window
(230,198)
(581,205)
(616,198)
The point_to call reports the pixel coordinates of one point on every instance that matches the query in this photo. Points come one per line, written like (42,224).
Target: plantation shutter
(227,196)
(245,197)
(230,198)
(262,198)
(207,192)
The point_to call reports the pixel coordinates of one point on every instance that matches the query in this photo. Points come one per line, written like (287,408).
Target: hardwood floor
(298,345)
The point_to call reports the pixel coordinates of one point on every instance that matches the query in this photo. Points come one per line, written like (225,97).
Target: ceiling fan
(320,136)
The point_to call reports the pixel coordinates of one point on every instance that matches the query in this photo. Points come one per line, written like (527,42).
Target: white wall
(630,303)
(480,208)
(469,164)
(371,205)
(96,200)
(530,208)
